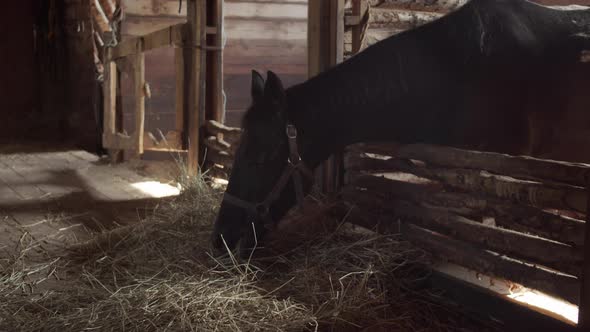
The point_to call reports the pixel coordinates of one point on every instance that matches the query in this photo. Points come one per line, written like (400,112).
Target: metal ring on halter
(291,131)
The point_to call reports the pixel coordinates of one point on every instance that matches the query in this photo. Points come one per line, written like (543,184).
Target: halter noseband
(295,168)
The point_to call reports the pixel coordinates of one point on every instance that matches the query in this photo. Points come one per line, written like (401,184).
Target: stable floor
(64,196)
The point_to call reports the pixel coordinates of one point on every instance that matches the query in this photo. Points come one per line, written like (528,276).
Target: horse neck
(331,112)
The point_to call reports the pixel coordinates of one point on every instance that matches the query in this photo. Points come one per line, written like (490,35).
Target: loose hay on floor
(159,275)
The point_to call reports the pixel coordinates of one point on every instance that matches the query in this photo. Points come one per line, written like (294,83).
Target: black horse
(472,79)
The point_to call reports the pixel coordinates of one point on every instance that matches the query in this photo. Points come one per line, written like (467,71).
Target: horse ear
(273,88)
(257,89)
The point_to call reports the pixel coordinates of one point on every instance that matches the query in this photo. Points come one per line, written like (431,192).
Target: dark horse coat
(476,78)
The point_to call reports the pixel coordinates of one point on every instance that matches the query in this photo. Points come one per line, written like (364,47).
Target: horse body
(470,79)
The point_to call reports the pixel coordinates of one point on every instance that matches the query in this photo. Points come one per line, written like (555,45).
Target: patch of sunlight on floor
(157,189)
(564,309)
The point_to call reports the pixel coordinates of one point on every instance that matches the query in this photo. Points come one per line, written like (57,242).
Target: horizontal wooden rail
(171,142)
(448,249)
(444,247)
(519,167)
(554,255)
(173,35)
(215,144)
(547,195)
(509,215)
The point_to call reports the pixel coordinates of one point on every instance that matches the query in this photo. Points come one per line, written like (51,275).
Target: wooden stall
(197,61)
(516,218)
(519,218)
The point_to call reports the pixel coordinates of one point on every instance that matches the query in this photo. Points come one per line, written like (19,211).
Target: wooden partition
(198,84)
(517,218)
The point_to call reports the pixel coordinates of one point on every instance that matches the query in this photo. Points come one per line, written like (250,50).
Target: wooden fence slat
(557,196)
(521,167)
(527,192)
(213,143)
(560,285)
(537,250)
(230,134)
(551,254)
(385,149)
(484,261)
(509,215)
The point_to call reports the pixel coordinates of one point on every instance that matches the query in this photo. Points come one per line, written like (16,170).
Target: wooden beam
(558,256)
(139,85)
(180,100)
(449,249)
(215,62)
(119,141)
(110,107)
(336,32)
(171,142)
(469,256)
(522,166)
(544,195)
(314,41)
(161,38)
(357,28)
(519,217)
(196,89)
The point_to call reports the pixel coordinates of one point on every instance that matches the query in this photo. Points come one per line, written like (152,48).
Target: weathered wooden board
(520,167)
(510,215)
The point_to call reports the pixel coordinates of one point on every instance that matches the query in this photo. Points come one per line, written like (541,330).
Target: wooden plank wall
(262,35)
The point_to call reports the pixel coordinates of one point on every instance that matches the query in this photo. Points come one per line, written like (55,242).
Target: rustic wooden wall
(262,35)
(17,76)
(47,78)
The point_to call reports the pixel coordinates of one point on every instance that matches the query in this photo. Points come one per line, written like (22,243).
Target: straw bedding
(159,275)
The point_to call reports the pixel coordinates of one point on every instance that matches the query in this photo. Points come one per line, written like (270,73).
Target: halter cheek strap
(295,169)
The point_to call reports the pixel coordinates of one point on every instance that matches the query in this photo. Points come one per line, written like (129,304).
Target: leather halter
(294,169)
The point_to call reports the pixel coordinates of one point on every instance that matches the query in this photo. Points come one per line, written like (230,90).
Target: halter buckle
(291,131)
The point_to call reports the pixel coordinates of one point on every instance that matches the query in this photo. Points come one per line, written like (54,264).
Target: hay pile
(159,275)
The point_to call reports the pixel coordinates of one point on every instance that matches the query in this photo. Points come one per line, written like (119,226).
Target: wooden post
(180,92)
(357,29)
(326,49)
(110,104)
(584,305)
(139,87)
(194,77)
(336,32)
(215,62)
